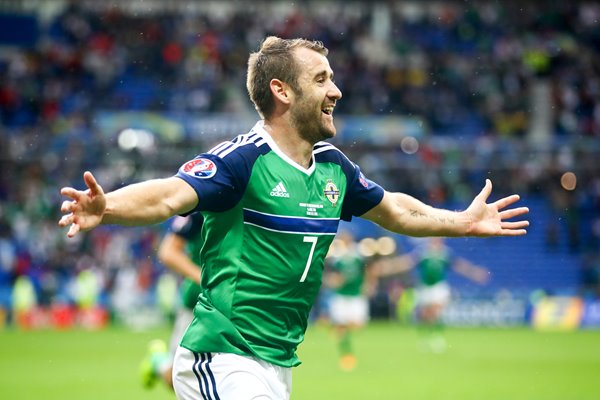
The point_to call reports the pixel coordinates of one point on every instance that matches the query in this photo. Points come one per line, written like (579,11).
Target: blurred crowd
(466,68)
(508,90)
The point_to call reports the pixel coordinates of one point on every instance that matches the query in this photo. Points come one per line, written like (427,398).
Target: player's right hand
(85,209)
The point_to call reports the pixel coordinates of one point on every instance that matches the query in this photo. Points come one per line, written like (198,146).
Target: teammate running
(180,251)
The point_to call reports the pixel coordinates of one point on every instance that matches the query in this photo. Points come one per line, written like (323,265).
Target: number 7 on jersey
(313,241)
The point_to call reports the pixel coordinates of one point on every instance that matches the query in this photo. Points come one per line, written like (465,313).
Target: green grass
(479,364)
(75,365)
(502,364)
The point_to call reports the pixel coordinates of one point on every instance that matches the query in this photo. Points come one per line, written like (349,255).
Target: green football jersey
(268,224)
(351,267)
(433,265)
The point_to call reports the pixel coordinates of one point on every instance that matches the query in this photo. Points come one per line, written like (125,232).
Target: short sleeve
(215,181)
(362,193)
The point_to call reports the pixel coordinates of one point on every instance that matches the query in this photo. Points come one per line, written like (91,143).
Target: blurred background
(437,97)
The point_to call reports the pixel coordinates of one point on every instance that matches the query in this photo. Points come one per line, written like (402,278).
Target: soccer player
(272,200)
(432,260)
(348,304)
(180,251)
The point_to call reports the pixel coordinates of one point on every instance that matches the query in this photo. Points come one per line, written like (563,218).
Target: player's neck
(291,143)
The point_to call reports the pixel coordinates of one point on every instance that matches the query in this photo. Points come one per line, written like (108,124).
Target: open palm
(86,207)
(491,219)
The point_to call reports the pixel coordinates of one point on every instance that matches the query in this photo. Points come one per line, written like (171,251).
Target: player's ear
(280,90)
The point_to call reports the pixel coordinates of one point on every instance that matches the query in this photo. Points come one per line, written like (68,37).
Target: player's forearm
(182,265)
(471,271)
(419,219)
(404,214)
(386,267)
(142,203)
(172,253)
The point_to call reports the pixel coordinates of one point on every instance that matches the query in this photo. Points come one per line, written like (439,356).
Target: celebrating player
(272,200)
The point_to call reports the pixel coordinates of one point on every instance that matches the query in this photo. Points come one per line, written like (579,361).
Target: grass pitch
(479,364)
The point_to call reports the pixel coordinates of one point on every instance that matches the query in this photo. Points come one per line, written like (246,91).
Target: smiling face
(312,109)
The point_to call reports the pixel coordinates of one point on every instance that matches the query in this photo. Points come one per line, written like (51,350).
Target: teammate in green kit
(347,275)
(432,260)
(180,251)
(272,200)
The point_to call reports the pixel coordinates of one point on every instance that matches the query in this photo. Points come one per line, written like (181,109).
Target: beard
(308,121)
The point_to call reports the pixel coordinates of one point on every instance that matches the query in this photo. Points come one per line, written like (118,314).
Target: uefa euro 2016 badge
(331,192)
(200,168)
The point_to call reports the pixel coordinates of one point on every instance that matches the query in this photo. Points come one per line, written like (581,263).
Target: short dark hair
(275,60)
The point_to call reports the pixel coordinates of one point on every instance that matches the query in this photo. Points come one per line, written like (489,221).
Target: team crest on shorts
(331,192)
(200,168)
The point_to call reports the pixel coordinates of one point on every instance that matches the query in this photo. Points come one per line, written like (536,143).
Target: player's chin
(328,131)
(327,134)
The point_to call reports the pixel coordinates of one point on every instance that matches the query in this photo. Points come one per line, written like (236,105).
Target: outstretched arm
(471,271)
(173,254)
(388,266)
(142,203)
(404,214)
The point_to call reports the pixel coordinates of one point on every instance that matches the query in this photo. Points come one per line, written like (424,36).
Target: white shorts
(224,376)
(182,321)
(435,294)
(348,310)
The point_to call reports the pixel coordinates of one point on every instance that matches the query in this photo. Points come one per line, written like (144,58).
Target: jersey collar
(259,128)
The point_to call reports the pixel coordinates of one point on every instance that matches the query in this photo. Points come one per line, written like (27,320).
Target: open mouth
(327,110)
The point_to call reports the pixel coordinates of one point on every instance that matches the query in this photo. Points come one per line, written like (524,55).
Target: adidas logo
(279,191)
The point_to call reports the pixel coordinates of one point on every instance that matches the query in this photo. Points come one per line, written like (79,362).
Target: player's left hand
(490,219)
